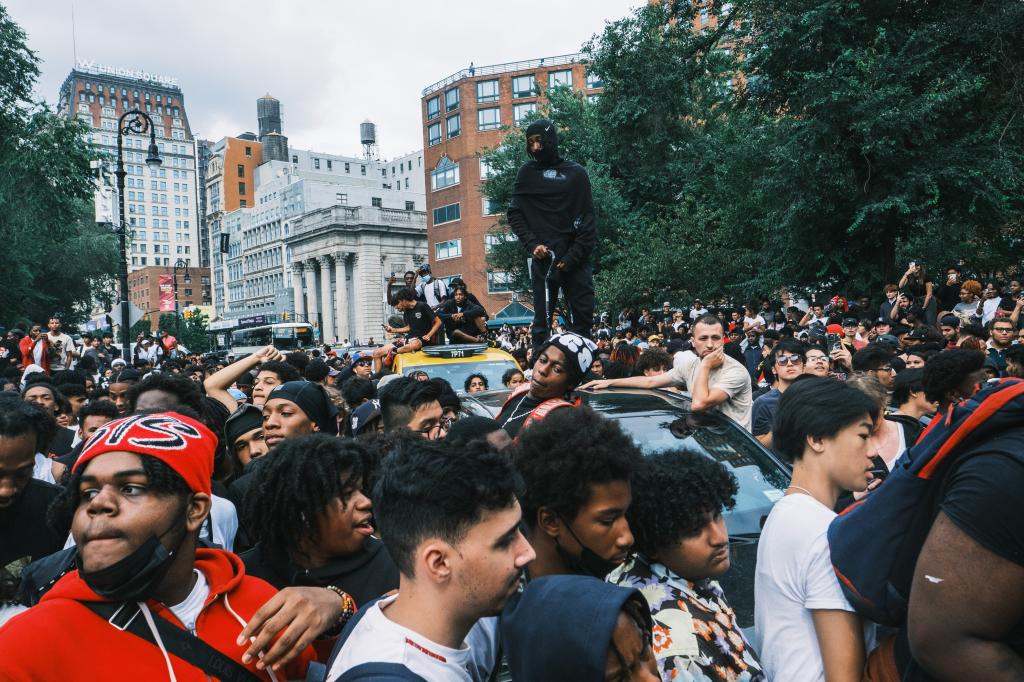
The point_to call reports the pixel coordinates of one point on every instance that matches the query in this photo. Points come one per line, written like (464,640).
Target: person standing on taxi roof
(552,214)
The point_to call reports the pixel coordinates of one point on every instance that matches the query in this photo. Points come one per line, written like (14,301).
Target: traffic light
(284,316)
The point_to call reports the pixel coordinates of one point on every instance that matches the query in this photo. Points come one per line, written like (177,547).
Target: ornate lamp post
(137,123)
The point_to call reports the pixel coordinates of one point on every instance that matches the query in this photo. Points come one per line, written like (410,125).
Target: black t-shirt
(977,497)
(513,416)
(917,287)
(24,534)
(419,319)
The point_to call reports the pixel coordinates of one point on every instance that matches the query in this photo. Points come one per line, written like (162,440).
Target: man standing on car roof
(552,214)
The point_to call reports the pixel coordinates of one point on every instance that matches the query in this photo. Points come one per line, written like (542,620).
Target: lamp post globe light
(133,122)
(179,264)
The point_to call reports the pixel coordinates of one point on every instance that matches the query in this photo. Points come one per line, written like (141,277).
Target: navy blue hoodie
(560,628)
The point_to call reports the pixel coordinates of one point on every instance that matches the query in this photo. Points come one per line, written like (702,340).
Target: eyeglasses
(817,358)
(887,368)
(784,360)
(443,425)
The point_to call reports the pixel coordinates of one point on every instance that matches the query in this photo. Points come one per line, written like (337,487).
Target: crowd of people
(314,515)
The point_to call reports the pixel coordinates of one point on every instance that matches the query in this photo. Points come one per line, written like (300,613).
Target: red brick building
(144,289)
(464,114)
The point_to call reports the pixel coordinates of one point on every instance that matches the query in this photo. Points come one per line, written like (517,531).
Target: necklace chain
(515,414)
(803,490)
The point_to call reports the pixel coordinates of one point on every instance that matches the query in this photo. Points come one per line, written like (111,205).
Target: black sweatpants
(577,286)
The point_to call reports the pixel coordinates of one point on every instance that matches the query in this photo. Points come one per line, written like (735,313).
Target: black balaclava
(548,156)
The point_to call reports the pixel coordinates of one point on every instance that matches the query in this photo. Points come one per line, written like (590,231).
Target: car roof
(404,360)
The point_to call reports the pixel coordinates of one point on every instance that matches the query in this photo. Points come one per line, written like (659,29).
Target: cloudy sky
(332,63)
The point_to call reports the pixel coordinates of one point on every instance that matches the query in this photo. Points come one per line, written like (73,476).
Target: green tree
(54,256)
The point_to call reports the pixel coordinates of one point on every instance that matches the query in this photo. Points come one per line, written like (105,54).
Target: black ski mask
(588,562)
(134,577)
(548,155)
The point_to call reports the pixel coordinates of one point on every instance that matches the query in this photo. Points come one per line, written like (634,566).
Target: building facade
(464,114)
(340,260)
(161,204)
(190,286)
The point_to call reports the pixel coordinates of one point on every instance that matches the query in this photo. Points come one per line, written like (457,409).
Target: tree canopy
(794,144)
(55,258)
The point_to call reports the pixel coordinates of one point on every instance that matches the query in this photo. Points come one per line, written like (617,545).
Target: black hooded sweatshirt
(551,202)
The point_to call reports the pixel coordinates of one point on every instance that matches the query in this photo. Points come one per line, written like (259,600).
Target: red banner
(166,293)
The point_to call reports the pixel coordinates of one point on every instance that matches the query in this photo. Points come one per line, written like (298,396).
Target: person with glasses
(409,404)
(1000,339)
(876,361)
(816,362)
(787,361)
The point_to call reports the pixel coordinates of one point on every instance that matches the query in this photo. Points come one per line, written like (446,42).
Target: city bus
(284,336)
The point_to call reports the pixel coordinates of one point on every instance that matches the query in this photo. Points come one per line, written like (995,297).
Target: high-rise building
(161,205)
(463,115)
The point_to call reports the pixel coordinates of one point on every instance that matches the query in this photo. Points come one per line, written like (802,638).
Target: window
(594,81)
(499,282)
(486,170)
(329,165)
(241,188)
(451,99)
(433,108)
(453,126)
(492,239)
(487,91)
(447,214)
(524,86)
(488,119)
(560,78)
(295,159)
(347,168)
(316,164)
(376,202)
(248,152)
(444,175)
(489,207)
(362,167)
(519,111)
(241,171)
(448,249)
(433,134)
(704,14)
(410,206)
(384,172)
(342,198)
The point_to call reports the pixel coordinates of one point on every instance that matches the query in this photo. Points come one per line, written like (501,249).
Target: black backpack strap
(127,617)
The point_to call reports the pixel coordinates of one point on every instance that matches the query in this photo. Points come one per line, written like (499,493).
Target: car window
(762,481)
(455,373)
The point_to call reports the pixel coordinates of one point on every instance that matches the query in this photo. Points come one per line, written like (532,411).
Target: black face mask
(133,577)
(548,154)
(588,562)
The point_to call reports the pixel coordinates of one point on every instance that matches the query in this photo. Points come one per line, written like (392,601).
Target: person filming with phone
(552,214)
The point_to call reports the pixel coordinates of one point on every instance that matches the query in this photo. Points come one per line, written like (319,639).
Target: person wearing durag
(559,367)
(552,214)
(138,496)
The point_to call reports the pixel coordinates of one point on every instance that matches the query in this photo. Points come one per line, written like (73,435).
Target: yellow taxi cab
(455,363)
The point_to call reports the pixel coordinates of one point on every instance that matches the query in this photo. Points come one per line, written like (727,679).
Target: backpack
(874,543)
(538,413)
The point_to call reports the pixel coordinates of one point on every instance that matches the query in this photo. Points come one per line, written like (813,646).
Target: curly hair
(296,484)
(469,380)
(285,371)
(674,494)
(948,370)
(625,354)
(567,453)
(184,389)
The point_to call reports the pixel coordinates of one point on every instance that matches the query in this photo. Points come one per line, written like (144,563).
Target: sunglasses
(784,360)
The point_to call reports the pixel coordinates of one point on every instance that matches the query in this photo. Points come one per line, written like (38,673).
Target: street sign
(134,314)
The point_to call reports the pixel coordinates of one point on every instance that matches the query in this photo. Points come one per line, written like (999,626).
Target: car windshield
(455,373)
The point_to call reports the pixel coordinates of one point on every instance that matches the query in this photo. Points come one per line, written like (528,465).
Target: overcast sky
(332,63)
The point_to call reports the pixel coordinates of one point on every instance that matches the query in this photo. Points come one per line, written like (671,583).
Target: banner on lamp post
(166,284)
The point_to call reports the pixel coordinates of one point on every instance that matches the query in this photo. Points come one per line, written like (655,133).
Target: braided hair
(296,483)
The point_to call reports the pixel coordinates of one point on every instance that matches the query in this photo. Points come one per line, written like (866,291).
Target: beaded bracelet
(348,604)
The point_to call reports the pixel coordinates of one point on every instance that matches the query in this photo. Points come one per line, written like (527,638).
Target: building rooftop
(474,71)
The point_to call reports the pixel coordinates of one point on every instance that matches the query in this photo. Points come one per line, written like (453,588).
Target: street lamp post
(137,123)
(179,264)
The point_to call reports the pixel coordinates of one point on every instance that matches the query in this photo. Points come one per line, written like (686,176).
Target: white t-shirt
(755,321)
(732,377)
(378,639)
(65,343)
(188,611)
(793,577)
(697,312)
(42,469)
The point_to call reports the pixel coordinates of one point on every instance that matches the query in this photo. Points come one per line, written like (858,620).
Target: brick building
(144,289)
(464,114)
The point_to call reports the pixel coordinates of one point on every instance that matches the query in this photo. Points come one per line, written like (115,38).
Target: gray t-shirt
(732,377)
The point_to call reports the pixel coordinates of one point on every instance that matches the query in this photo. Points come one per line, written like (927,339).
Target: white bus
(284,336)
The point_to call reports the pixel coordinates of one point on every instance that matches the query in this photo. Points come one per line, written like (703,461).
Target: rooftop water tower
(368,138)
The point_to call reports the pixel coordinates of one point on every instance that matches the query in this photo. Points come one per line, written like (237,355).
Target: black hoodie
(551,202)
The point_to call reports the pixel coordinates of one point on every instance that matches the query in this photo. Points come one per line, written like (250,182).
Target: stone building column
(300,302)
(327,328)
(341,295)
(311,307)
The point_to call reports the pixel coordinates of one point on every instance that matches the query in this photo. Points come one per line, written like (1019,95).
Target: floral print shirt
(696,636)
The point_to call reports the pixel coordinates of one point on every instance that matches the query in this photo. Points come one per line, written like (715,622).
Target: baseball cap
(950,321)
(850,321)
(361,357)
(918,334)
(884,320)
(666,304)
(889,339)
(423,268)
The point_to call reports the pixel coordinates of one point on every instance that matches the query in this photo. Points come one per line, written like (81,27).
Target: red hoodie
(60,639)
